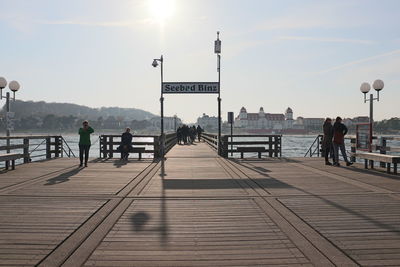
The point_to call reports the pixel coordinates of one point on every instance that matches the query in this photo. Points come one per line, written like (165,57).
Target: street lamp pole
(14,87)
(155,64)
(365,88)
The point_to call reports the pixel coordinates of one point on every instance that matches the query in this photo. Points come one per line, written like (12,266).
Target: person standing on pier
(339,131)
(84,142)
(199,131)
(327,139)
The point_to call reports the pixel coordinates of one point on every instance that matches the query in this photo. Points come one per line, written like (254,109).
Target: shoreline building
(262,120)
(170,123)
(207,122)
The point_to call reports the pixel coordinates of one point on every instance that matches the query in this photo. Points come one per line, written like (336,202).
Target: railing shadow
(377,223)
(63,177)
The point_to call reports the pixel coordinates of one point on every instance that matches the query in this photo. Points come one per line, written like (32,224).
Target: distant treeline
(40,109)
(67,123)
(388,126)
(30,115)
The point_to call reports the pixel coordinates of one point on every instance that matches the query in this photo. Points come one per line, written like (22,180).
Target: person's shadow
(63,177)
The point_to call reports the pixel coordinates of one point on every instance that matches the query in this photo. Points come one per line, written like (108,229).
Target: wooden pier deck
(197,209)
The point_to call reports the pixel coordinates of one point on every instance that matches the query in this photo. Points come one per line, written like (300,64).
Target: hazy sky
(309,55)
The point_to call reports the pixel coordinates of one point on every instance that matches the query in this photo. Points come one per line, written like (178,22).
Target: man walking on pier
(339,131)
(84,142)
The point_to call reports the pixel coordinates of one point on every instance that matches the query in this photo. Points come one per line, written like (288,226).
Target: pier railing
(382,145)
(316,147)
(211,140)
(109,144)
(230,147)
(36,147)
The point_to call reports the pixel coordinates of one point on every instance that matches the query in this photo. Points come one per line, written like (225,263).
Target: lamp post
(155,64)
(365,88)
(217,50)
(14,87)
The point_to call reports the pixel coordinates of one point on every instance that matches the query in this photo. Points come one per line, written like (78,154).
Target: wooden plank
(197,209)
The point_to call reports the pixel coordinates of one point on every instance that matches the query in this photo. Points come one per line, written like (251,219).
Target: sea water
(292,145)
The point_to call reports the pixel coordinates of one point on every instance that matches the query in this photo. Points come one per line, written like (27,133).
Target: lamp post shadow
(141,218)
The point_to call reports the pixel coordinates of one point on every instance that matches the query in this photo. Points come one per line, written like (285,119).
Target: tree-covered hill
(24,109)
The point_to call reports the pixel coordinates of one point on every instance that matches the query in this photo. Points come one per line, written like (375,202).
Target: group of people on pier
(333,140)
(187,135)
(84,143)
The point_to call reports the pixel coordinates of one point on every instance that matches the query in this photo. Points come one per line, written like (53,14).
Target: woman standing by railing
(84,142)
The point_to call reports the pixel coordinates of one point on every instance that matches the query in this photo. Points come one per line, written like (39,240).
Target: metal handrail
(44,140)
(311,151)
(69,148)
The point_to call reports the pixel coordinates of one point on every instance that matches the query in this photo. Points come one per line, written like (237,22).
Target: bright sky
(309,55)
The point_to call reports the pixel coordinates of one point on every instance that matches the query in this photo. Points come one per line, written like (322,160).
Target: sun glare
(161,10)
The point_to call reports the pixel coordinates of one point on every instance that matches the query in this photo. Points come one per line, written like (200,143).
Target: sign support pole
(219,104)
(231,138)
(162,146)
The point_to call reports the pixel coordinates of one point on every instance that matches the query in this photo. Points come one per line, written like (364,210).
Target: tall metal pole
(231,138)
(7,123)
(162,110)
(371,119)
(219,105)
(8,110)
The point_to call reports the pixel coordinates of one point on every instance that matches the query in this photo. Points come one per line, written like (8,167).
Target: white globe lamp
(365,87)
(14,87)
(378,85)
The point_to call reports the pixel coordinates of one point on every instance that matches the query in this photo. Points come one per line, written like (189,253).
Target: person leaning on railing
(84,142)
(339,131)
(327,139)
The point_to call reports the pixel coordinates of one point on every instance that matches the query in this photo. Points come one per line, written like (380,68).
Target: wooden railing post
(48,148)
(382,150)
(104,146)
(156,145)
(353,149)
(110,147)
(57,146)
(225,145)
(26,150)
(270,151)
(276,147)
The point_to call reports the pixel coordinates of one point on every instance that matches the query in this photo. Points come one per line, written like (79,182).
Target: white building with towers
(262,120)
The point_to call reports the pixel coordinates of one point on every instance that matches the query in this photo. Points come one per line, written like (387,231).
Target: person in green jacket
(84,142)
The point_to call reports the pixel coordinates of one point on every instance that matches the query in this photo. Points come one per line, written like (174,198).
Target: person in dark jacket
(339,131)
(84,142)
(126,144)
(199,131)
(327,139)
(179,134)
